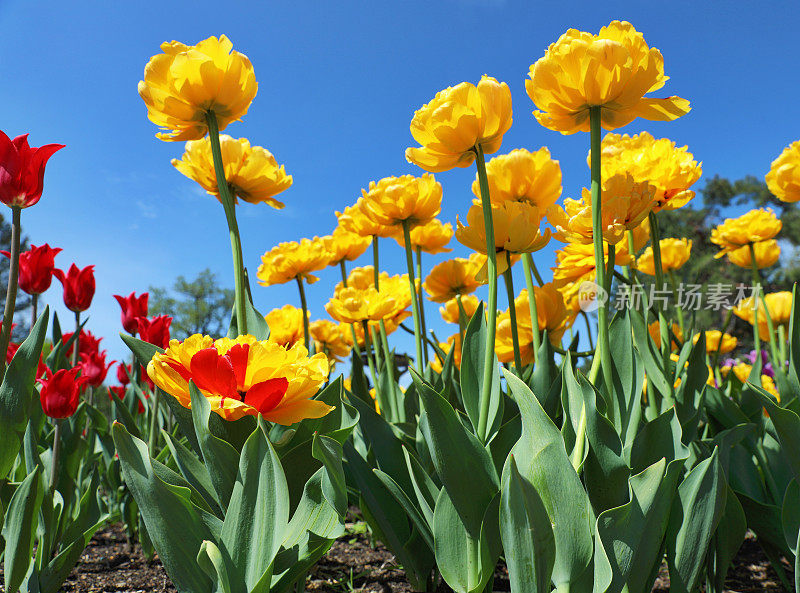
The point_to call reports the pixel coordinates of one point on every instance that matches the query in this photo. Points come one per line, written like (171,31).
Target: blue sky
(338,85)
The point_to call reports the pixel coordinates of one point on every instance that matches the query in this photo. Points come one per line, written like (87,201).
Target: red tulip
(155,330)
(124,373)
(94,368)
(22,170)
(78,287)
(132,307)
(60,392)
(36,267)
(88,344)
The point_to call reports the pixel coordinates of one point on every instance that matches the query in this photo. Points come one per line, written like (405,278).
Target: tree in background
(199,306)
(23,303)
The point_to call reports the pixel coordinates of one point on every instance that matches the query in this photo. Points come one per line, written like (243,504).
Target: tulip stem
(414,299)
(352,325)
(512,313)
(491,270)
(603,349)
(76,345)
(462,318)
(528,258)
(233,227)
(756,293)
(367,341)
(674,283)
(782,344)
(304,305)
(422,308)
(56,459)
(588,329)
(34,309)
(13,278)
(376,275)
(528,266)
(770,326)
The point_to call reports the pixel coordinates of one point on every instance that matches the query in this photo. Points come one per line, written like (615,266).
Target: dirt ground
(352,564)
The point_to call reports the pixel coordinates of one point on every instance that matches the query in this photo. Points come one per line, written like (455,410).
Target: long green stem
(372,372)
(491,267)
(528,267)
(304,305)
(76,344)
(414,299)
(233,226)
(773,346)
(588,329)
(13,278)
(352,326)
(674,283)
(664,327)
(422,308)
(56,460)
(376,275)
(782,344)
(512,313)
(462,318)
(756,295)
(603,347)
(34,309)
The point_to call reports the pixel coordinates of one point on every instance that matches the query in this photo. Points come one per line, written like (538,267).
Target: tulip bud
(36,267)
(22,170)
(78,285)
(60,392)
(132,307)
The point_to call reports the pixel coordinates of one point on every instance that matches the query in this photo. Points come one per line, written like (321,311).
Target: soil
(352,564)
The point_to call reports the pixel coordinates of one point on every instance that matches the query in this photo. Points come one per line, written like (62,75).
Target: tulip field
(581,429)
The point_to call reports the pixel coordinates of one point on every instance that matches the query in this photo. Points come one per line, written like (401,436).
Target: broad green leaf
(696,512)
(330,453)
(472,369)
(462,463)
(787,426)
(218,568)
(728,538)
(176,527)
(424,487)
(790,515)
(466,563)
(220,458)
(630,538)
(19,529)
(144,351)
(542,461)
(658,439)
(193,470)
(258,511)
(16,393)
(545,378)
(413,512)
(527,534)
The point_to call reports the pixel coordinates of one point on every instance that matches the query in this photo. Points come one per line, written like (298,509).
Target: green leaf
(220,458)
(330,453)
(212,561)
(258,512)
(16,393)
(123,414)
(472,368)
(462,463)
(696,512)
(426,490)
(543,462)
(630,538)
(527,535)
(143,351)
(466,563)
(413,512)
(545,379)
(659,438)
(787,427)
(19,529)
(176,527)
(194,471)
(790,515)
(628,377)
(728,538)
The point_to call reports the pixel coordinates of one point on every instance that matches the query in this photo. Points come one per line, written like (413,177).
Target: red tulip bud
(78,287)
(60,392)
(132,307)
(22,170)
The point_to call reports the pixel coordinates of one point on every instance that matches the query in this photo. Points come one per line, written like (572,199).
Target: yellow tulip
(575,262)
(783,178)
(552,316)
(752,227)
(450,311)
(457,121)
(393,200)
(343,245)
(767,254)
(359,301)
(612,70)
(285,325)
(450,278)
(523,176)
(186,82)
(717,342)
(244,377)
(354,220)
(742,372)
(779,305)
(660,162)
(330,338)
(290,260)
(626,203)
(252,172)
(674,253)
(516,230)
(431,237)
